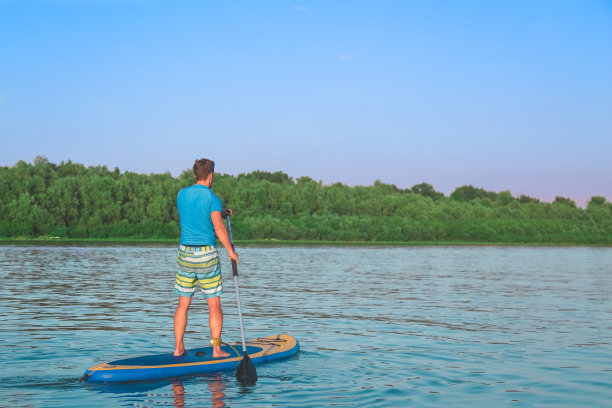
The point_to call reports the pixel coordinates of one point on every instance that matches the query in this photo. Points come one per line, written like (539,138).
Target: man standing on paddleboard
(198,261)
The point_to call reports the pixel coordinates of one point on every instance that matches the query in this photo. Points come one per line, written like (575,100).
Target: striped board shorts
(198,264)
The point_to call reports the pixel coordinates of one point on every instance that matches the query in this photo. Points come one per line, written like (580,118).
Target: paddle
(245,372)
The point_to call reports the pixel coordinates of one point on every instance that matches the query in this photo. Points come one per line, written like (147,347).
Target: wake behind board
(196,361)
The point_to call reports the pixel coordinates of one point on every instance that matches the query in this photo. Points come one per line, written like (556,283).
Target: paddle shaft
(235,273)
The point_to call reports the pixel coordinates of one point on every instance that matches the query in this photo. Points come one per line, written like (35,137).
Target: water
(378,327)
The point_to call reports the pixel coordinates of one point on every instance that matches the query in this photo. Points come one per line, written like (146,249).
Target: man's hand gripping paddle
(246,372)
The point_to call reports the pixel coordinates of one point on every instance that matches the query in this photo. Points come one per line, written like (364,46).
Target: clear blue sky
(503,95)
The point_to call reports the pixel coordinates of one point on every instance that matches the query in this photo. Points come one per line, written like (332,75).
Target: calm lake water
(378,327)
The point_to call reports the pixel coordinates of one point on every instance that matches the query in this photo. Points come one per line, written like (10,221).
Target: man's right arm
(222,234)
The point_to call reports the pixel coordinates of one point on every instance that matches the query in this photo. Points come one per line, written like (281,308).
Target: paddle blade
(246,372)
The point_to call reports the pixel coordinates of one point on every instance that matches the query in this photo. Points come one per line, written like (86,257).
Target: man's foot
(217,352)
(179,351)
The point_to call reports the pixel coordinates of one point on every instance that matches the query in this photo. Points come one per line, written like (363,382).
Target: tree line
(70,200)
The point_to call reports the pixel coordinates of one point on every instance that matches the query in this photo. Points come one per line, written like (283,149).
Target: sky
(502,95)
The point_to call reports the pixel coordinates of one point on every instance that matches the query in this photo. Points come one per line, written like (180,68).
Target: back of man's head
(202,168)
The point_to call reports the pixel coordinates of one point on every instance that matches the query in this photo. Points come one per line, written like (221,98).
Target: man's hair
(202,168)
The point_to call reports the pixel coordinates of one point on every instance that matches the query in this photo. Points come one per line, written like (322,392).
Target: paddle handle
(229,232)
(234,267)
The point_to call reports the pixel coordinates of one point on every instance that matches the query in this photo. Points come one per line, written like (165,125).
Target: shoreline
(66,242)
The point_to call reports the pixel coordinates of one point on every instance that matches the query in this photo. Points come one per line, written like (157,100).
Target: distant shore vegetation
(72,201)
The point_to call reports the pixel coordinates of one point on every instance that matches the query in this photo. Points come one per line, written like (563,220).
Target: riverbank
(55,241)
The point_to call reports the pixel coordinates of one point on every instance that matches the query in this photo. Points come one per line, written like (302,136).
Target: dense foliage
(70,200)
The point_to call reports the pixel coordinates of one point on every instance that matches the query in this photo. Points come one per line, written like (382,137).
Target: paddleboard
(196,361)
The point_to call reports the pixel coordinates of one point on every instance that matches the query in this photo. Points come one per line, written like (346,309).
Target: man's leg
(180,324)
(215,320)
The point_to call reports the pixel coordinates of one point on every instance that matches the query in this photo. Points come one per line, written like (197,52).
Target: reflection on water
(458,326)
(178,389)
(203,390)
(216,391)
(215,387)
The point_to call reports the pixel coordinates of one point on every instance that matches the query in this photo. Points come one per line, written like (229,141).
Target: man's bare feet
(217,352)
(179,351)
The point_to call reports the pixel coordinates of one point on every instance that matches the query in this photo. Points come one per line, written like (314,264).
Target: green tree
(468,193)
(426,190)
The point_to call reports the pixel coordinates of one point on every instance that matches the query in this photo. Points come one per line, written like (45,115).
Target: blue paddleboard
(196,361)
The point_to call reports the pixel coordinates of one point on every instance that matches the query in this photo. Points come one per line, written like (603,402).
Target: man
(198,261)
